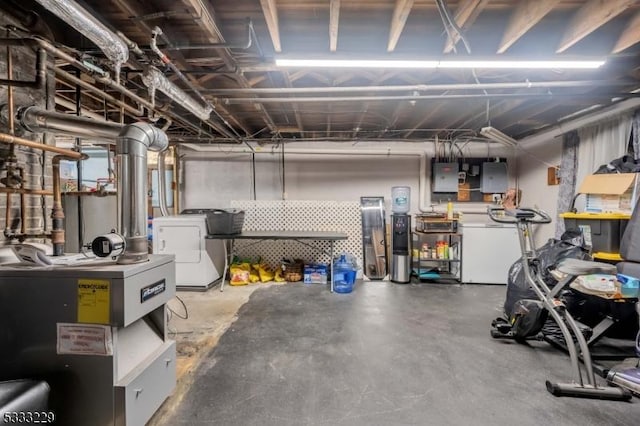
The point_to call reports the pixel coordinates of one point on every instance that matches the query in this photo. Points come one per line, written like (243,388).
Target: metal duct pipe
(72,13)
(378,98)
(154,79)
(421,87)
(39,120)
(131,148)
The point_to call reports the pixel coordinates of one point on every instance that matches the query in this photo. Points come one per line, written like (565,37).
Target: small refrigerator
(488,251)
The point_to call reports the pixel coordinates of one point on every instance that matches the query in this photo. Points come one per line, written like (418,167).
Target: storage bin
(602,231)
(221,221)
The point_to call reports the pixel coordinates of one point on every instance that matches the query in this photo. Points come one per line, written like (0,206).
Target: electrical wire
(184,306)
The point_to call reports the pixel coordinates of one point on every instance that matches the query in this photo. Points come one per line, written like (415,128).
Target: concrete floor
(386,354)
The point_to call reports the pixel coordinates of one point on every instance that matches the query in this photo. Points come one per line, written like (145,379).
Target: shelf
(453,234)
(435,260)
(433,268)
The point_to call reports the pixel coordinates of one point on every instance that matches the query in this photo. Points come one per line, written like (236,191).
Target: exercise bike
(529,316)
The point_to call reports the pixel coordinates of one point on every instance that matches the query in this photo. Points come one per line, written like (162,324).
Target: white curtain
(599,144)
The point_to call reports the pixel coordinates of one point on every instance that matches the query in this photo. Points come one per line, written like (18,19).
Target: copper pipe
(31,144)
(10,191)
(87,86)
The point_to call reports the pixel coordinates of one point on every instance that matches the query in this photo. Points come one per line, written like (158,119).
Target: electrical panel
(494,178)
(445,177)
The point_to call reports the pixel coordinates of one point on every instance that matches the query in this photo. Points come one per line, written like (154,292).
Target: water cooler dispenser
(400,248)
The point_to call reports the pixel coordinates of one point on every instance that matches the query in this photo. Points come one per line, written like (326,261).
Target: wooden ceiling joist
(630,35)
(271,17)
(334,19)
(526,15)
(466,14)
(399,19)
(589,18)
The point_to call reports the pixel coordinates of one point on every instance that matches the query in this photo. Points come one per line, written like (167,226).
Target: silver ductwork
(40,120)
(131,150)
(155,80)
(75,15)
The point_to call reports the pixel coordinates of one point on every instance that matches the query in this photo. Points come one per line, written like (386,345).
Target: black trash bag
(569,246)
(624,164)
(590,310)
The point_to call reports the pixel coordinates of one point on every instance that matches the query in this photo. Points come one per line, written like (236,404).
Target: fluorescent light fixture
(487,64)
(496,135)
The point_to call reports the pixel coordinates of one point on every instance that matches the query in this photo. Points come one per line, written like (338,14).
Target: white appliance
(488,251)
(198,259)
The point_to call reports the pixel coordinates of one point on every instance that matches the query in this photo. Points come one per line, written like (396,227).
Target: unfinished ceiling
(225,51)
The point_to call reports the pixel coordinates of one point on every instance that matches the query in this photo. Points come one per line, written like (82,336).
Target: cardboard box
(315,273)
(610,193)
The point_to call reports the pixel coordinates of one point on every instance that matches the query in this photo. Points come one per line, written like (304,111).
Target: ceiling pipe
(548,134)
(86,24)
(422,87)
(243,46)
(38,120)
(320,99)
(36,145)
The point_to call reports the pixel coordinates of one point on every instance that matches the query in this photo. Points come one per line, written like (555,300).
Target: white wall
(212,176)
(533,161)
(214,182)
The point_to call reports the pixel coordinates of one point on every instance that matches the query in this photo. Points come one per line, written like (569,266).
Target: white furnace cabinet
(488,251)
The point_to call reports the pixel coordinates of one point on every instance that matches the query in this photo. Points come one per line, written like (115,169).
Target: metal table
(301,237)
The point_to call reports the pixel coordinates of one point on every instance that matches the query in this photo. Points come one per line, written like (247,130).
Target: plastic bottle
(342,270)
(449,210)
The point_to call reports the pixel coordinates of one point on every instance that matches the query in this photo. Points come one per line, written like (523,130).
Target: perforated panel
(300,215)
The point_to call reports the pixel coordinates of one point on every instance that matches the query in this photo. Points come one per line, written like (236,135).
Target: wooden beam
(630,35)
(528,13)
(589,18)
(334,18)
(271,16)
(400,15)
(466,14)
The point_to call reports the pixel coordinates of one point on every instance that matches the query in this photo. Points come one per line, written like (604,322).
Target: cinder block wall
(36,163)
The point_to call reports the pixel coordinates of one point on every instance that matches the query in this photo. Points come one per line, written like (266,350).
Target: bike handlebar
(527,215)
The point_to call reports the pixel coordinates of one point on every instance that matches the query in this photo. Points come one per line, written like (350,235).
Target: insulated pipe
(131,148)
(31,144)
(86,24)
(57,212)
(39,120)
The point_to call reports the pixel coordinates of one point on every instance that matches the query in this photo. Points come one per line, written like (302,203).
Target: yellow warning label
(94,301)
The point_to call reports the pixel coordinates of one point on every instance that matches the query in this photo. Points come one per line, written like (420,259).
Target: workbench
(303,237)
